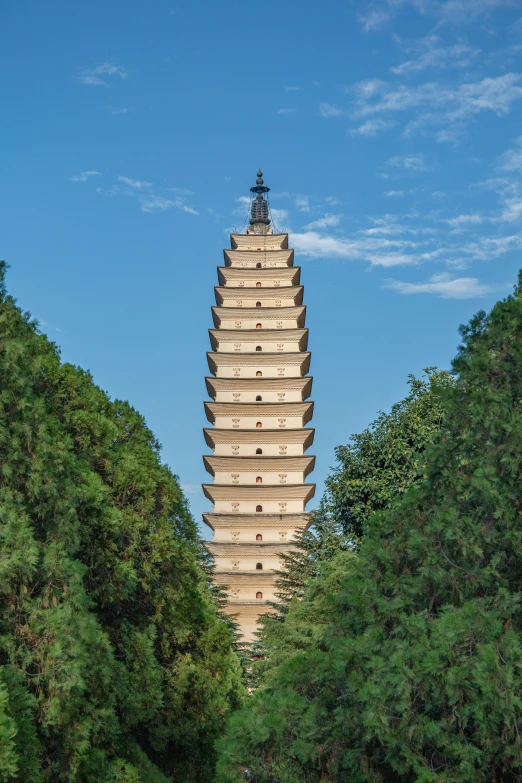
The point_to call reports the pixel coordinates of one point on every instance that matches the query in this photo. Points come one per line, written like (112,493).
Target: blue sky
(389,133)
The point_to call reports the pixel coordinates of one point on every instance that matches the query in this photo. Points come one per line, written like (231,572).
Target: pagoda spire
(258,415)
(259,204)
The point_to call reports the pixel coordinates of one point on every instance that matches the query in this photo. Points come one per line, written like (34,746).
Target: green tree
(418,674)
(115,663)
(373,469)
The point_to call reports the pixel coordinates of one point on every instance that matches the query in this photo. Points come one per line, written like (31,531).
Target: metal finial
(259,204)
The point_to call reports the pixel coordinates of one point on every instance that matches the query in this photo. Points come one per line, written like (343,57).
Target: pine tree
(373,469)
(114,662)
(418,675)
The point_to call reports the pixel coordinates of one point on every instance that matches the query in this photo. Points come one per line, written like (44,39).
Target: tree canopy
(115,664)
(373,469)
(416,674)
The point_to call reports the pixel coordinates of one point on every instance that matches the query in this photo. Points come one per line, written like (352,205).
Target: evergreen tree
(114,662)
(418,674)
(375,467)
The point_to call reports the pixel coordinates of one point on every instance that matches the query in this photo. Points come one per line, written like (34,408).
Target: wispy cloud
(286,111)
(159,203)
(447,12)
(84,176)
(372,127)
(288,88)
(139,184)
(435,104)
(116,110)
(373,19)
(93,76)
(280,219)
(331,110)
(446,286)
(511,160)
(411,162)
(325,222)
(429,52)
(302,203)
(191,489)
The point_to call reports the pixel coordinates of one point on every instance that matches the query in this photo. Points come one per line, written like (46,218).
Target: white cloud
(439,104)
(330,110)
(332,201)
(152,203)
(302,203)
(183,191)
(430,53)
(112,191)
(84,176)
(191,489)
(373,19)
(243,207)
(378,251)
(122,110)
(445,286)
(92,76)
(135,183)
(372,127)
(453,12)
(291,89)
(473,219)
(279,219)
(325,222)
(412,162)
(511,160)
(286,111)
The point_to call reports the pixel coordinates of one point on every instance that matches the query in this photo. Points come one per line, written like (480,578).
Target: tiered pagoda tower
(259,387)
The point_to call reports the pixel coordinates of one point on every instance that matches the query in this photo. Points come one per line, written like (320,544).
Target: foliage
(114,662)
(418,675)
(374,468)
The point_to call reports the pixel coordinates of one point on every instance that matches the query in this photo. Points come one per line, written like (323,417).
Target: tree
(418,675)
(114,662)
(373,469)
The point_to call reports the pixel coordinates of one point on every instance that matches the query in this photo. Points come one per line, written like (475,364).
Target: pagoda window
(259,398)
(259,374)
(259,326)
(258,266)
(258,284)
(259,537)
(258,304)
(259,566)
(259,509)
(259,424)
(259,348)
(259,451)
(259,596)
(259,480)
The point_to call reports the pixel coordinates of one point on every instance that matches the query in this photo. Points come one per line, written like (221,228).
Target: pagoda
(259,411)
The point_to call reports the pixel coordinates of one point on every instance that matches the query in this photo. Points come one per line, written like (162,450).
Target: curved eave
(301,435)
(262,492)
(284,292)
(220,314)
(291,273)
(248,549)
(258,464)
(270,241)
(291,521)
(255,409)
(282,255)
(258,359)
(227,337)
(302,384)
